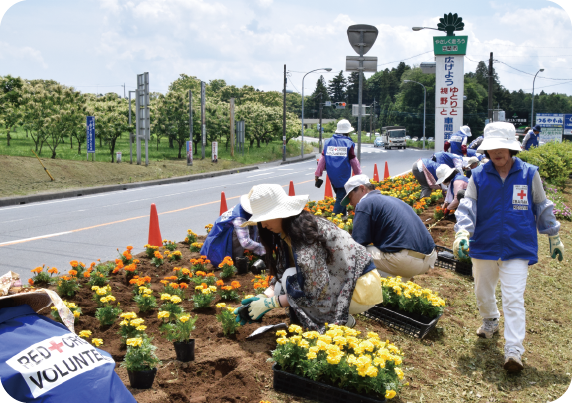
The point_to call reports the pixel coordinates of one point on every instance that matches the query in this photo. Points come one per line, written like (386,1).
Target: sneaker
(351,322)
(488,328)
(512,362)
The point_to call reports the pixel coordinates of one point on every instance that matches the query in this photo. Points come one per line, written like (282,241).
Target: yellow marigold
(206,291)
(137,322)
(184,318)
(85,333)
(282,340)
(163,314)
(135,342)
(212,288)
(165,297)
(311,355)
(124,323)
(101,291)
(128,315)
(103,300)
(76,314)
(281,333)
(295,329)
(175,299)
(221,305)
(97,342)
(390,394)
(141,328)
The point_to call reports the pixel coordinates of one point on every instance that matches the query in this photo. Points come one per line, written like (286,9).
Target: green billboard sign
(450,45)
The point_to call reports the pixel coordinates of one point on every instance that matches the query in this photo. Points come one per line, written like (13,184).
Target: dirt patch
(26,176)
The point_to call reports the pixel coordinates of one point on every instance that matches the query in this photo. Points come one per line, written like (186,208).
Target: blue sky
(101,44)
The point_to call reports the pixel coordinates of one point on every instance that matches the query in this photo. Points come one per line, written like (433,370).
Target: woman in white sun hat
(503,207)
(321,272)
(454,181)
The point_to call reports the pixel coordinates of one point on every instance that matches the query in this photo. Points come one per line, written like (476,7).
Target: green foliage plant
(140,354)
(180,329)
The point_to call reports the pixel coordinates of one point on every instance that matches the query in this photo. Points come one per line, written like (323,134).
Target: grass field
(20,145)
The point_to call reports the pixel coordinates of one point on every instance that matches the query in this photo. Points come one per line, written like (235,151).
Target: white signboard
(552,126)
(551,134)
(214,154)
(449,90)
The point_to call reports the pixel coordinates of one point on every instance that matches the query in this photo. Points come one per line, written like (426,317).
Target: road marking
(120,221)
(267,173)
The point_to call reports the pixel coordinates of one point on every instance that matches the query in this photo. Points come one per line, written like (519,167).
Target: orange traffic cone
(291,191)
(328,190)
(386,173)
(375,174)
(155,238)
(223,207)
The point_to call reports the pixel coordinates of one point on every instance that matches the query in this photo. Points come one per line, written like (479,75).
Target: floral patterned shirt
(321,293)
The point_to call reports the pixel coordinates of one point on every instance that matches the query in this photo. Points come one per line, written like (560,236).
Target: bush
(553,159)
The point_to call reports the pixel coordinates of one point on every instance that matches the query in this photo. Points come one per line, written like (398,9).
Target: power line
(530,74)
(402,60)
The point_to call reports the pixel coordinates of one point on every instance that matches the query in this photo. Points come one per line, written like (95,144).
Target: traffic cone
(291,191)
(328,190)
(375,174)
(223,207)
(155,238)
(386,173)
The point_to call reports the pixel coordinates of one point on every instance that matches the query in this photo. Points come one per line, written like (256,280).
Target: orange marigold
(183,286)
(31,281)
(74,263)
(235,284)
(129,248)
(174,285)
(53,270)
(220,283)
(86,274)
(72,273)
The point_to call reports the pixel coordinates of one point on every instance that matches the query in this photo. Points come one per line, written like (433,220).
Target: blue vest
(446,158)
(476,143)
(336,152)
(218,244)
(42,361)
(473,153)
(456,141)
(532,141)
(506,225)
(431,166)
(458,177)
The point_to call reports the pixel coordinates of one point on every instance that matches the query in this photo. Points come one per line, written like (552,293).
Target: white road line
(36,237)
(284,169)
(267,173)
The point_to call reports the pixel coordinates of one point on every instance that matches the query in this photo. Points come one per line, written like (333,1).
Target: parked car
(414,139)
(378,142)
(407,137)
(430,139)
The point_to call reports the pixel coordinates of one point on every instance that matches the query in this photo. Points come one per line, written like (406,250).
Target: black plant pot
(185,350)
(142,379)
(241,264)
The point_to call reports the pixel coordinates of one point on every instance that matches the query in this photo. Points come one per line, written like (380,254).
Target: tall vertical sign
(449,86)
(143,126)
(90,136)
(214,151)
(189,152)
(203,120)
(568,125)
(232,127)
(190,147)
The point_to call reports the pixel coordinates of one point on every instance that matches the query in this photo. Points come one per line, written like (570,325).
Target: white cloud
(264,3)
(24,54)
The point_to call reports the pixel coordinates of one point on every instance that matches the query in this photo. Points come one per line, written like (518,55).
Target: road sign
(355,37)
(450,45)
(355,109)
(90,134)
(369,63)
(549,119)
(328,103)
(568,124)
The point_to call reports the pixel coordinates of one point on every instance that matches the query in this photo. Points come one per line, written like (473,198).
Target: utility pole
(131,136)
(232,127)
(360,72)
(203,121)
(284,119)
(320,129)
(190,124)
(124,96)
(491,88)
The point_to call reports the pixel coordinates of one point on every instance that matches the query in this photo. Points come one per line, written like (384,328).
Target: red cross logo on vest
(56,346)
(521,194)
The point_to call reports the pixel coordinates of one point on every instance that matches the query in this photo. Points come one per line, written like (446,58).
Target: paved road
(87,228)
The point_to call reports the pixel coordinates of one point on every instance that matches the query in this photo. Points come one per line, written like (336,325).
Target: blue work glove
(556,247)
(241,319)
(461,244)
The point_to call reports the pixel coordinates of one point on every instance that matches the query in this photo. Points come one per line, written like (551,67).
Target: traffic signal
(340,105)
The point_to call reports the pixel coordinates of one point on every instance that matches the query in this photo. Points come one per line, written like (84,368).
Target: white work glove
(556,247)
(259,306)
(461,244)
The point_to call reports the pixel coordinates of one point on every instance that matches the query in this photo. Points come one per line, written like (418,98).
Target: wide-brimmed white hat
(268,202)
(351,184)
(499,135)
(467,130)
(443,172)
(344,126)
(245,203)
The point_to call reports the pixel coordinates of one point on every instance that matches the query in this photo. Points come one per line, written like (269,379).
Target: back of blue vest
(506,225)
(532,141)
(456,141)
(336,152)
(42,361)
(446,158)
(218,244)
(431,166)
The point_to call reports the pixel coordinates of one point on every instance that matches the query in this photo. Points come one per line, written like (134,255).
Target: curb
(306,158)
(11,201)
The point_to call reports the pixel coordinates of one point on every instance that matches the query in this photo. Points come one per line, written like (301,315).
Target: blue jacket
(337,162)
(390,224)
(506,225)
(476,143)
(218,244)
(431,166)
(42,361)
(532,140)
(456,141)
(448,159)
(473,153)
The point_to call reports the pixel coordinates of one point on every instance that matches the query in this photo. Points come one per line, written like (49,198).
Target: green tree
(261,122)
(337,87)
(111,119)
(10,101)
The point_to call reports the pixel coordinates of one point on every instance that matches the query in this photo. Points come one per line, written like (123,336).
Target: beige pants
(401,263)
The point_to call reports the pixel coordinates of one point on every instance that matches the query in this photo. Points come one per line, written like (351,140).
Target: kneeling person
(402,246)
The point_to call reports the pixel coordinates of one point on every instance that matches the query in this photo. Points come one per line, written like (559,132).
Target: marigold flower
(76,314)
(235,284)
(72,273)
(141,328)
(134,342)
(53,270)
(86,274)
(163,314)
(184,318)
(221,305)
(174,285)
(74,263)
(165,297)
(183,286)
(30,281)
(85,333)
(176,299)
(97,342)
(220,283)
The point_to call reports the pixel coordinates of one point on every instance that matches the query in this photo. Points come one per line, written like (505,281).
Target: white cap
(351,184)
(467,130)
(499,135)
(271,201)
(344,126)
(443,172)
(468,161)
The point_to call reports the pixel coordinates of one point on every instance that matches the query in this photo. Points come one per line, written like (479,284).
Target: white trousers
(512,275)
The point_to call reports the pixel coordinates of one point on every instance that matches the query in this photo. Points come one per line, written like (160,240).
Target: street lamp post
(532,109)
(424,106)
(321,68)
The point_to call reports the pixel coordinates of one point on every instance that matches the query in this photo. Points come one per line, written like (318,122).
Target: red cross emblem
(56,346)
(521,194)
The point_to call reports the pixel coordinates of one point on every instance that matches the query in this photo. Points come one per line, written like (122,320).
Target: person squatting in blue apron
(228,238)
(504,206)
(338,159)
